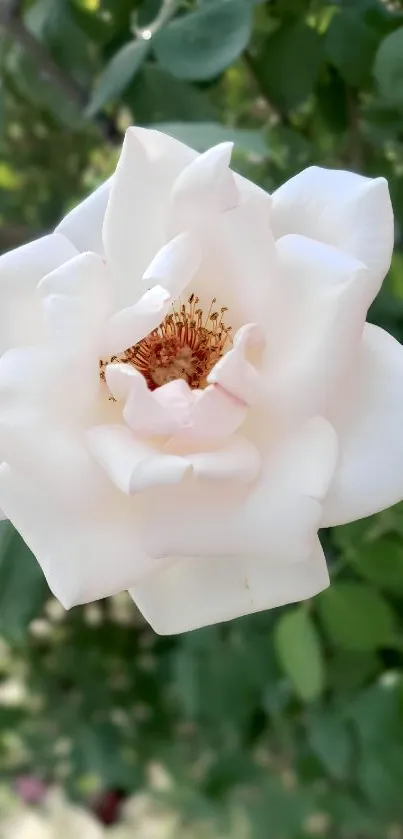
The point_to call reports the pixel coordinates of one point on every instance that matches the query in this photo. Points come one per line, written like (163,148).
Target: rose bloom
(188,387)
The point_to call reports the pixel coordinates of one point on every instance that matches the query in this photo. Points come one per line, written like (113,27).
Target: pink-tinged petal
(215,413)
(278,515)
(235,373)
(369,476)
(198,591)
(130,325)
(132,464)
(203,190)
(164,411)
(84,555)
(314,329)
(175,264)
(83,224)
(142,411)
(174,408)
(232,458)
(20,272)
(348,211)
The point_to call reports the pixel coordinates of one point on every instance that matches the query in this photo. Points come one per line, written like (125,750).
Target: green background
(287,724)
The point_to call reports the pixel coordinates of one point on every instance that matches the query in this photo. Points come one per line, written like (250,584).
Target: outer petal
(84,557)
(342,209)
(198,591)
(77,303)
(41,406)
(132,464)
(239,267)
(277,516)
(20,272)
(83,225)
(314,328)
(134,227)
(205,189)
(369,476)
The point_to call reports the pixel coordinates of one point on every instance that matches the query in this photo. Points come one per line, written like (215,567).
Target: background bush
(287,724)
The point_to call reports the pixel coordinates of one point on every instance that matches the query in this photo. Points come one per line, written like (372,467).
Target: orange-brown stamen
(186,345)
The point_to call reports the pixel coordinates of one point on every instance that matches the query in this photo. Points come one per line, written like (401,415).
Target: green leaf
(155,96)
(203,135)
(381,563)
(356,617)
(23,588)
(202,44)
(67,42)
(299,651)
(117,74)
(388,68)
(329,739)
(377,716)
(289,64)
(351,47)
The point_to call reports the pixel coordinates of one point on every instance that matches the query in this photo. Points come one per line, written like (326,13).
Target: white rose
(188,389)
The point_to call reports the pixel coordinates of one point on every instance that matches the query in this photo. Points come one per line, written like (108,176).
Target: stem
(167,10)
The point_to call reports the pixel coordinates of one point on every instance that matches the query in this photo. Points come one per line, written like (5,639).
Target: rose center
(186,345)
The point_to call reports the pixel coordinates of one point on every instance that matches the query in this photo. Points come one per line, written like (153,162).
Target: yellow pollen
(186,345)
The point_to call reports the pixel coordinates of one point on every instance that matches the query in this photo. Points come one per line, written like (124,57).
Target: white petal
(175,264)
(130,325)
(134,228)
(248,254)
(342,209)
(198,591)
(83,225)
(40,402)
(85,276)
(205,188)
(239,268)
(132,464)
(20,272)
(84,556)
(235,373)
(369,476)
(173,267)
(166,154)
(77,302)
(277,516)
(314,328)
(233,457)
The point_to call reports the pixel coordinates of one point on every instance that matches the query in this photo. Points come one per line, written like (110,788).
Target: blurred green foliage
(290,723)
